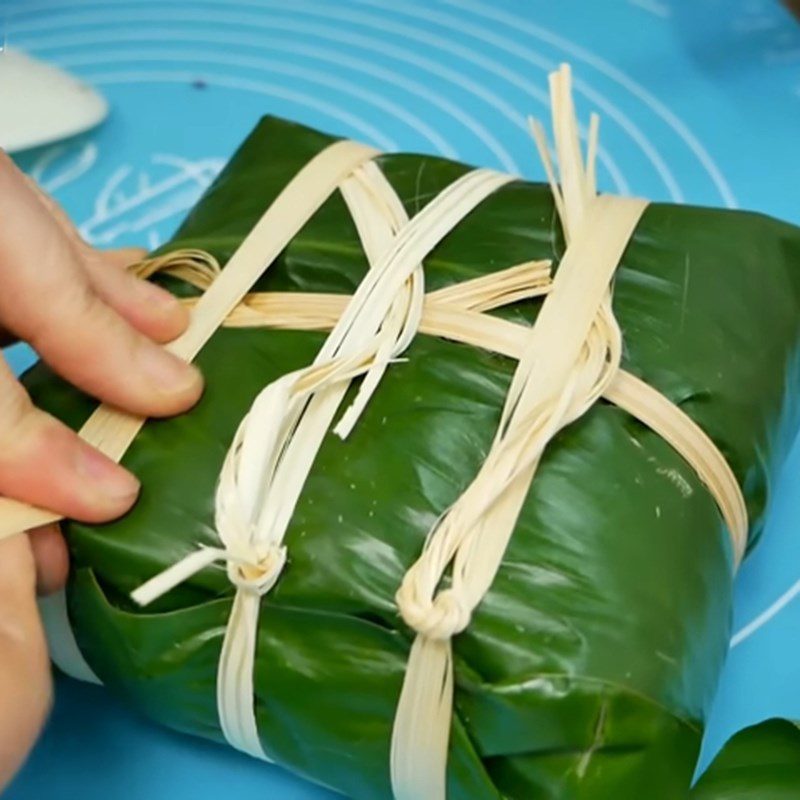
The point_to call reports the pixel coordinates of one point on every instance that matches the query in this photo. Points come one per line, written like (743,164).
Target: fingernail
(105,476)
(169,373)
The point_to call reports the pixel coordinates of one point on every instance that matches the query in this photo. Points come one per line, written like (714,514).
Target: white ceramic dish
(41,104)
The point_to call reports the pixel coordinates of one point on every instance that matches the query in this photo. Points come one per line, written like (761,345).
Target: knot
(256,568)
(252,568)
(439,619)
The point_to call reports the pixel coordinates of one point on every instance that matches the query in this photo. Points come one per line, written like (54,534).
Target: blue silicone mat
(700,102)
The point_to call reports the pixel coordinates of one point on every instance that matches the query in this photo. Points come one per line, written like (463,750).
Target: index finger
(48,301)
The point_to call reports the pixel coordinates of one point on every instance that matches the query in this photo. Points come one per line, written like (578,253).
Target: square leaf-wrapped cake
(443,553)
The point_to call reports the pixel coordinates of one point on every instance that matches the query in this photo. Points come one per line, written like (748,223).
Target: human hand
(97,326)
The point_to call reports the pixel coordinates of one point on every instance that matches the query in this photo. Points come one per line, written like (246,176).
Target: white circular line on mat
(373,23)
(181,15)
(603,104)
(765,616)
(512,114)
(266,65)
(259,87)
(618,76)
(160,15)
(653,7)
(443,44)
(465,54)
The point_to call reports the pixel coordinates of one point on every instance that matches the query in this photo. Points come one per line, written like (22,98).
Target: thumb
(25,680)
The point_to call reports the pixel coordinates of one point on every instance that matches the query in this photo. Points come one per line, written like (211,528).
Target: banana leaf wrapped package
(320,568)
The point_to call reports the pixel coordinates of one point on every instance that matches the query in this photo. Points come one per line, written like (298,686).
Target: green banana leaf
(760,763)
(588,668)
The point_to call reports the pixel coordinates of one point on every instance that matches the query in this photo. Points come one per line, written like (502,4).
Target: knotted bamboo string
(569,358)
(276,444)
